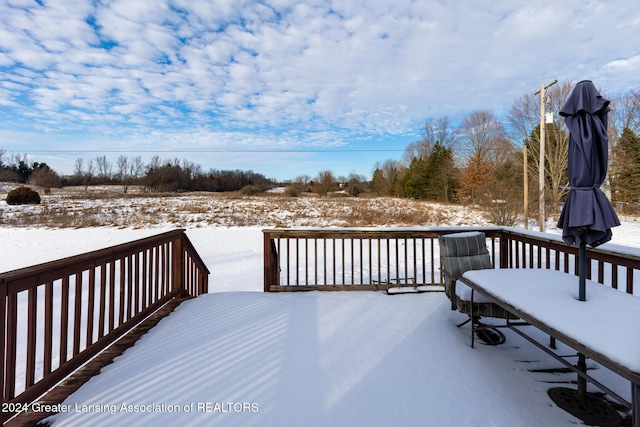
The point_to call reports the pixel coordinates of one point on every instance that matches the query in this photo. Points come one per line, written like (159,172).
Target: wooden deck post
(504,250)
(267,261)
(271,267)
(3,323)
(177,267)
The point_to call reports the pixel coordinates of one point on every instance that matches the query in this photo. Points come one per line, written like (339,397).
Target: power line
(348,150)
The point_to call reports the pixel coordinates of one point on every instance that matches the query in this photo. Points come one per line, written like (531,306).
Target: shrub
(293,190)
(253,189)
(23,196)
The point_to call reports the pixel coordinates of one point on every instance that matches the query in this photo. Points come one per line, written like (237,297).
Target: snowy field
(239,357)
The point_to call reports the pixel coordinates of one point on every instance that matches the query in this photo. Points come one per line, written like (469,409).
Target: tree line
(482,160)
(158,175)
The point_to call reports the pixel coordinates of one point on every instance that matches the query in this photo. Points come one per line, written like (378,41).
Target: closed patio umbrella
(587,215)
(587,218)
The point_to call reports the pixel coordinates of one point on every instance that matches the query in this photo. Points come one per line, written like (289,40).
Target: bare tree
(386,176)
(129,170)
(46,178)
(355,184)
(122,163)
(136,167)
(434,131)
(155,162)
(325,182)
(625,113)
(103,167)
(483,135)
(440,131)
(84,174)
(5,173)
(298,186)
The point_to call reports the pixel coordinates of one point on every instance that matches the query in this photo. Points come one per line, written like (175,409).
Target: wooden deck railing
(614,268)
(371,259)
(58,315)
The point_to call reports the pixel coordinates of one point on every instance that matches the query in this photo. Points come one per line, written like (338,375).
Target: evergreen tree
(414,182)
(625,173)
(440,175)
(433,177)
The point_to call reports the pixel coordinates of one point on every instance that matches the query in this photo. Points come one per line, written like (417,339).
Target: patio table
(605,327)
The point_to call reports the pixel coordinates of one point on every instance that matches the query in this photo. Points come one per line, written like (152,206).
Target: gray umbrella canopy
(587,216)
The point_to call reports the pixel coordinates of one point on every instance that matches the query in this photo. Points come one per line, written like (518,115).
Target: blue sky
(281,87)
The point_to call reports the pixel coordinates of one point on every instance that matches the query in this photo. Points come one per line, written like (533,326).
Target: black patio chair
(461,252)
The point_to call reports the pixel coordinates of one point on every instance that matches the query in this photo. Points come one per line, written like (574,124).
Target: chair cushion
(460,252)
(464,292)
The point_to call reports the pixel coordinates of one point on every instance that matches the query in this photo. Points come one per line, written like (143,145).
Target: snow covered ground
(239,357)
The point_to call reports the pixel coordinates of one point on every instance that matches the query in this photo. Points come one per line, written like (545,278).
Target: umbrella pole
(582,382)
(582,271)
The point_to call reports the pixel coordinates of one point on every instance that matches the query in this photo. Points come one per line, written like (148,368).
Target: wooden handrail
(85,303)
(328,258)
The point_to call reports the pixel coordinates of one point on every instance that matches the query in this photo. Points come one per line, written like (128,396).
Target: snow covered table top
(605,327)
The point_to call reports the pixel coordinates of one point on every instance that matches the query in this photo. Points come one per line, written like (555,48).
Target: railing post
(504,250)
(271,266)
(178,267)
(3,332)
(267,261)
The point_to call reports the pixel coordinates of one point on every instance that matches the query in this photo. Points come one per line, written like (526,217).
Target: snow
(552,298)
(240,357)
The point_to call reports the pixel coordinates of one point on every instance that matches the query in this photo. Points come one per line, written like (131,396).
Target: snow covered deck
(253,358)
(318,359)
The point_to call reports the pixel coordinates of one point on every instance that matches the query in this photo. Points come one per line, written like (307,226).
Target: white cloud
(284,72)
(627,64)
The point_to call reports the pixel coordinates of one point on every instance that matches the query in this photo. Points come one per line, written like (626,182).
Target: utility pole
(542,154)
(526,187)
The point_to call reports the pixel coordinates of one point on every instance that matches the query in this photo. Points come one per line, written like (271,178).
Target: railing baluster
(128,262)
(143,271)
(335,257)
(77,313)
(297,261)
(600,271)
(324,260)
(91,305)
(288,263)
(353,273)
(32,313)
(123,293)
(64,319)
(103,303)
(12,337)
(344,282)
(306,261)
(397,261)
(158,280)
(48,328)
(370,261)
(433,262)
(379,261)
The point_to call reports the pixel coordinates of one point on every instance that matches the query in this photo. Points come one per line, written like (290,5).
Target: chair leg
(464,323)
(487,333)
